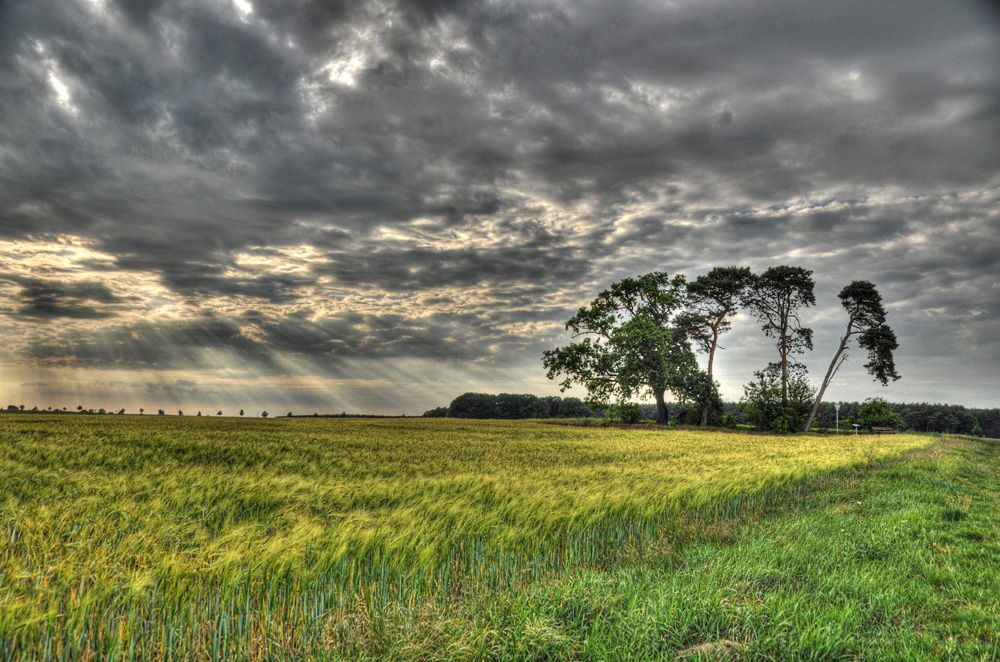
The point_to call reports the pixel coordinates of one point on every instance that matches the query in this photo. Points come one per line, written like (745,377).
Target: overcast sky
(377,206)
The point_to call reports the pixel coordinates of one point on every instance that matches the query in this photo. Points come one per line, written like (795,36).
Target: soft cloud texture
(377,206)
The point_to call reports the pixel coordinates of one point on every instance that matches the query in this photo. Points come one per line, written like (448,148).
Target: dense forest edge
(922,417)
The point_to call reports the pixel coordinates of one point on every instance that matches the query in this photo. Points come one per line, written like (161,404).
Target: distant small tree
(263,414)
(101,411)
(141,410)
(629,413)
(770,408)
(977,431)
(199,412)
(161,412)
(241,412)
(875,412)
(121,411)
(79,407)
(219,413)
(701,391)
(289,414)
(180,412)
(22,408)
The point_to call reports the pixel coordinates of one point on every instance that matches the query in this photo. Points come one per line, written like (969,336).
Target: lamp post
(836,406)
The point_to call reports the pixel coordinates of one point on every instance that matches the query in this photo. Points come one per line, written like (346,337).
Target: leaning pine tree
(866,319)
(628,347)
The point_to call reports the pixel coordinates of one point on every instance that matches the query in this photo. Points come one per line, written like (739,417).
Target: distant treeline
(512,406)
(921,417)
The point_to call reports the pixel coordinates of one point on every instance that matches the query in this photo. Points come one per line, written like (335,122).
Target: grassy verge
(895,560)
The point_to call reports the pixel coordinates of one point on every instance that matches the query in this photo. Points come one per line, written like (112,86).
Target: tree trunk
(830,372)
(662,415)
(784,369)
(711,351)
(711,361)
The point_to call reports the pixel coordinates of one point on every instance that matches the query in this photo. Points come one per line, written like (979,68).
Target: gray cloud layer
(443,183)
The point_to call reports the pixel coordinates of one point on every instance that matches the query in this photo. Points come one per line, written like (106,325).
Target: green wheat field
(168,538)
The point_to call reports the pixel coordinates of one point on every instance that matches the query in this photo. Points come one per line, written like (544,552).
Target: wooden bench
(883,430)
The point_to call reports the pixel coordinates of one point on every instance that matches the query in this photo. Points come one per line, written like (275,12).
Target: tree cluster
(920,417)
(637,339)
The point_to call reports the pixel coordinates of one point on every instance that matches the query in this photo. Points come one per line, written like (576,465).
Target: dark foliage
(772,405)
(628,347)
(875,412)
(510,406)
(922,417)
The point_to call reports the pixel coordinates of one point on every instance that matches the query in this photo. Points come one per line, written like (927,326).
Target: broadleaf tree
(762,402)
(875,412)
(775,298)
(713,299)
(627,345)
(865,319)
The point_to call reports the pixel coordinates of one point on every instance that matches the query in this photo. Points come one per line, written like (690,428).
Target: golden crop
(169,538)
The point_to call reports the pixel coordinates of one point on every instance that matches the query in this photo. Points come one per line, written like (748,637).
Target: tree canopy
(768,407)
(875,412)
(712,300)
(775,298)
(628,345)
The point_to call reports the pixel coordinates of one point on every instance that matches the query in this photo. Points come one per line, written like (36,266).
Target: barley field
(167,538)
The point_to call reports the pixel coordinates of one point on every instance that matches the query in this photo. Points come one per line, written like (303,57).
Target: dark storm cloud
(528,153)
(147,345)
(326,343)
(46,299)
(438,337)
(570,107)
(181,387)
(427,269)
